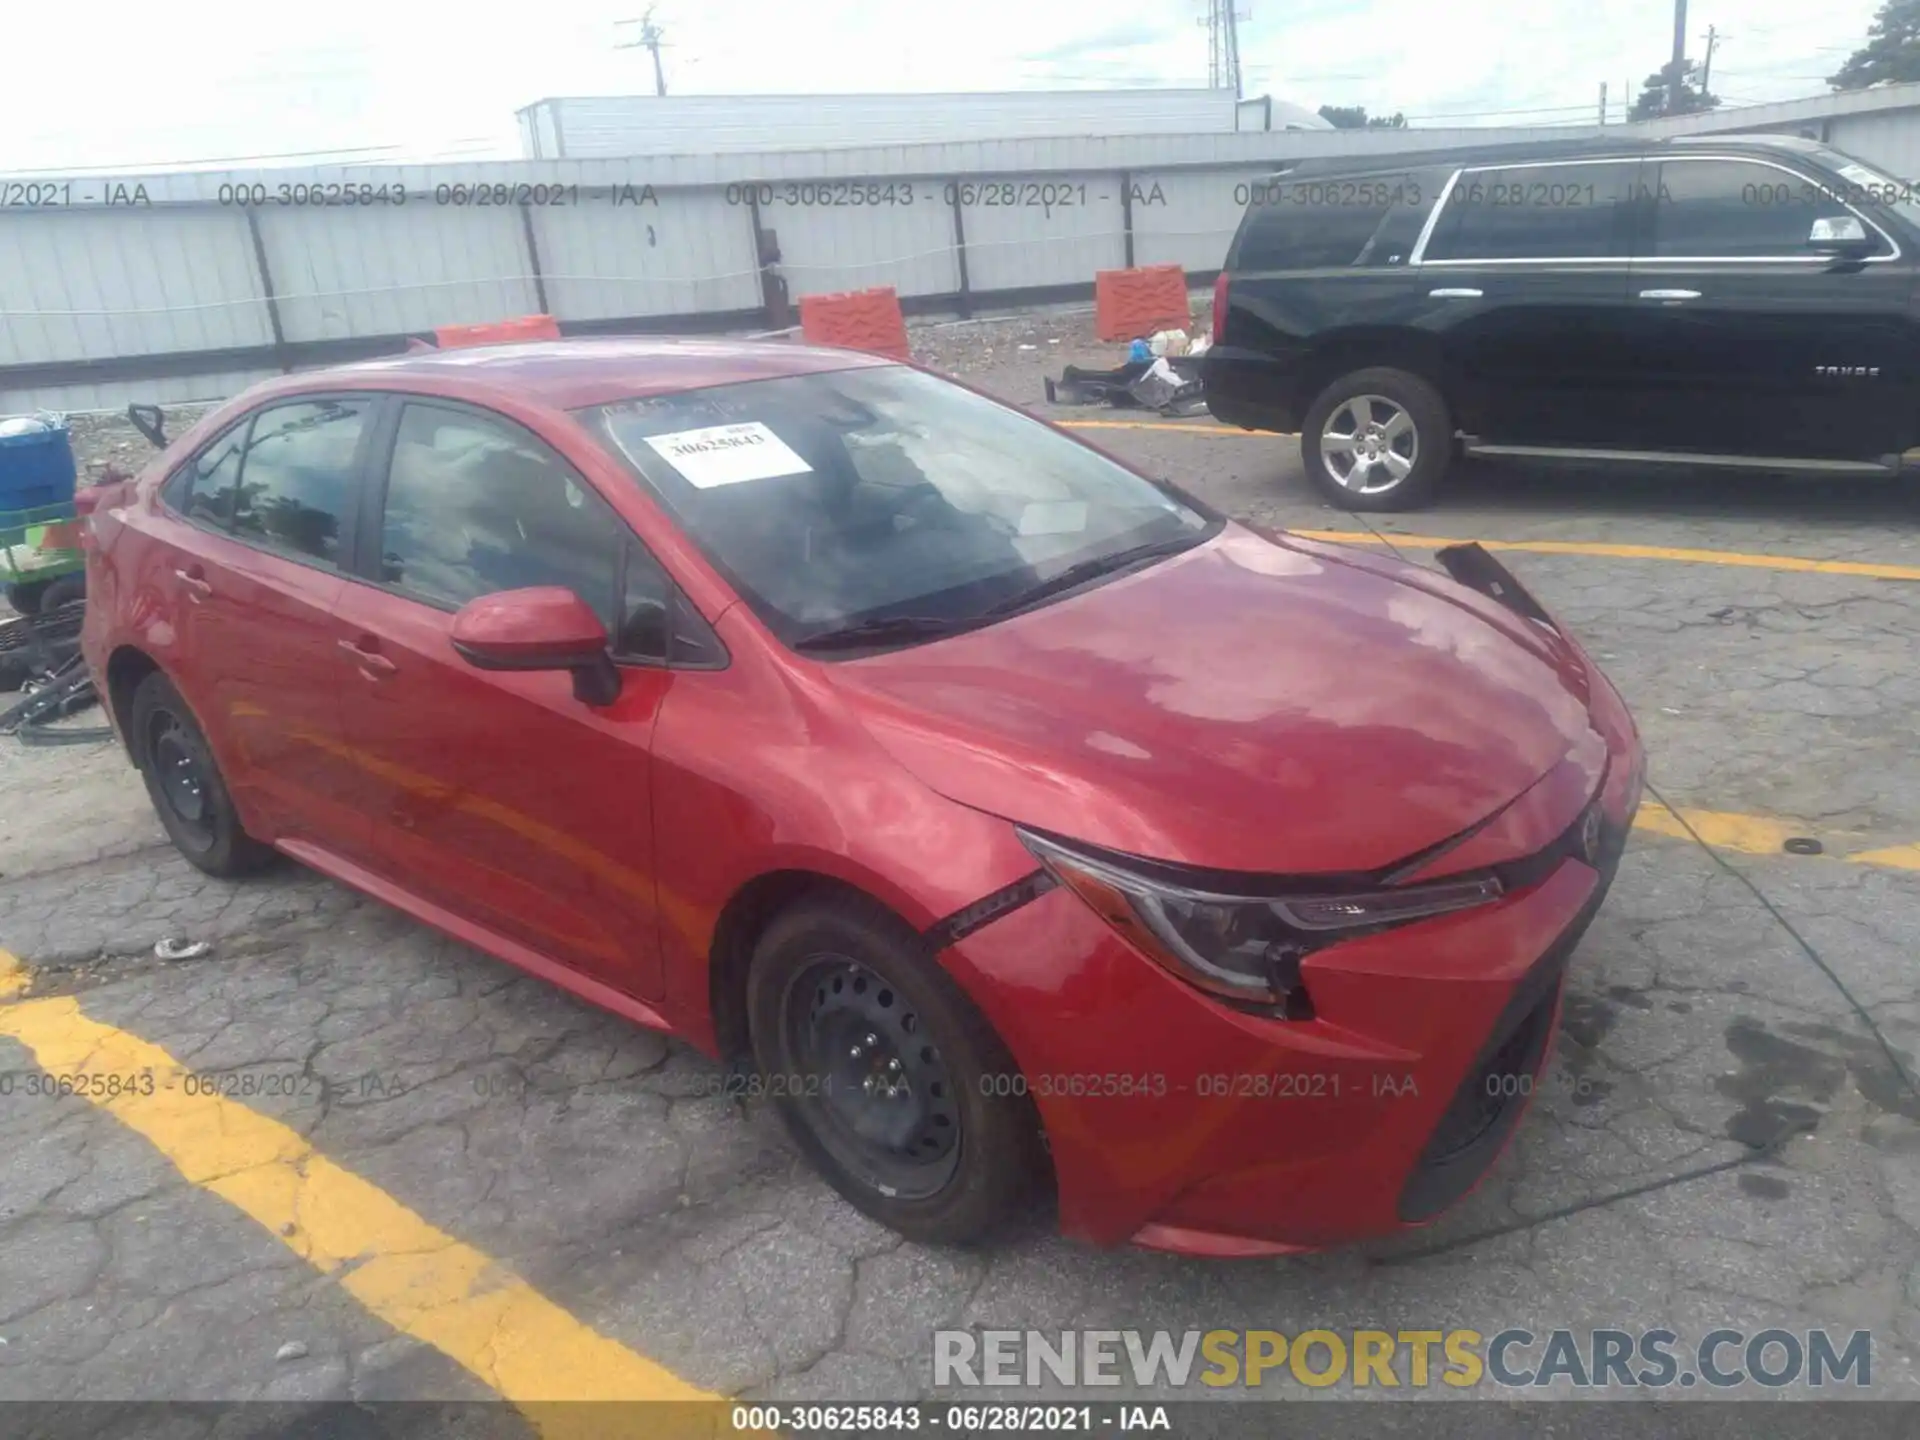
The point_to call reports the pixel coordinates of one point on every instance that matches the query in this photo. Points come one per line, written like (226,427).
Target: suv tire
(1377,439)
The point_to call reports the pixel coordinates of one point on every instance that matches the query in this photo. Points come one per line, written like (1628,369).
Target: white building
(592,127)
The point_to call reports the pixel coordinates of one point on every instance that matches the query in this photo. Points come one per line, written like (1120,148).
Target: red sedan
(1013,820)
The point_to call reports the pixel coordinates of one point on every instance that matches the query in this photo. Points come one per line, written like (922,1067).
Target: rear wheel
(25,596)
(1377,439)
(883,1072)
(64,591)
(185,784)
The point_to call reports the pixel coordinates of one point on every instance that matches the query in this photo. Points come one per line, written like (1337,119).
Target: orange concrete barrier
(856,320)
(499,332)
(1128,304)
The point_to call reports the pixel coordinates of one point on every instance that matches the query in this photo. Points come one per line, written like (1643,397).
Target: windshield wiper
(1085,570)
(885,631)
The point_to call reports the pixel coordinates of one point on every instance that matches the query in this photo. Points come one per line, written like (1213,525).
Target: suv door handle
(1669,294)
(1455,293)
(194,582)
(372,663)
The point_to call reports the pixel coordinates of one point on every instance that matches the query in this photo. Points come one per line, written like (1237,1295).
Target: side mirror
(151,422)
(1841,235)
(545,627)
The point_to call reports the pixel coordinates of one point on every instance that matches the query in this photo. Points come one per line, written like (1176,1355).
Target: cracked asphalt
(1722,1142)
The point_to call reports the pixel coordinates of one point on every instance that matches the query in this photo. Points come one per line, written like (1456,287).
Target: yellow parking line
(1628,552)
(1868,569)
(412,1275)
(1160,425)
(1765,835)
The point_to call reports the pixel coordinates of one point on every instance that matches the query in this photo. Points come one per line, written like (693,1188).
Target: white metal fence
(185,286)
(190,285)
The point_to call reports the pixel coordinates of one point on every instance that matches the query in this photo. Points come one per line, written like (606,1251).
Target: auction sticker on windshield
(728,454)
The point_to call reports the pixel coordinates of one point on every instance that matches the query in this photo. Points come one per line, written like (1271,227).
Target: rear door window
(297,481)
(1537,212)
(203,489)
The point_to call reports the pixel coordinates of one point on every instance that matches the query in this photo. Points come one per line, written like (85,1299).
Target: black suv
(1746,301)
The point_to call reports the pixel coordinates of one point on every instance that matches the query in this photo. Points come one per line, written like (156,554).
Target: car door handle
(372,664)
(1455,292)
(194,583)
(1669,294)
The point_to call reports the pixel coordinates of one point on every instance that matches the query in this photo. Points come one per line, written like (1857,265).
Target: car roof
(1589,148)
(569,374)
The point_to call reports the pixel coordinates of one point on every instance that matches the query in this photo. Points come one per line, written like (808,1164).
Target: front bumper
(1177,1122)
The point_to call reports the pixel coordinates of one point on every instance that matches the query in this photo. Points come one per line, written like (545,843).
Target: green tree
(1345,117)
(1354,117)
(1656,99)
(1892,51)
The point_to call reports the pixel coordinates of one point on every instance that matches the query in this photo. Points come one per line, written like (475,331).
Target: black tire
(928,1184)
(25,597)
(1430,449)
(185,783)
(64,591)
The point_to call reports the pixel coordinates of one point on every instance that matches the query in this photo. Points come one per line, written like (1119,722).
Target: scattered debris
(292,1350)
(178,947)
(1029,347)
(1170,385)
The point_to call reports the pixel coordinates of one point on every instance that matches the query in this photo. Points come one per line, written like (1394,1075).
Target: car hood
(1256,704)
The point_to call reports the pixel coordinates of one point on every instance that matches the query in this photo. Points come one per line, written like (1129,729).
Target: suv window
(296,483)
(477,505)
(1738,209)
(1536,212)
(1316,224)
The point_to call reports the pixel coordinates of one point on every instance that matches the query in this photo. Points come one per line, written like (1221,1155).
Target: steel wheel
(184,782)
(890,1106)
(180,775)
(1369,444)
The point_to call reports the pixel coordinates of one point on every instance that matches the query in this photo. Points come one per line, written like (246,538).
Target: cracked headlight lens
(1243,947)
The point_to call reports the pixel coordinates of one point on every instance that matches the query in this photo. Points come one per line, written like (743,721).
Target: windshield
(858,496)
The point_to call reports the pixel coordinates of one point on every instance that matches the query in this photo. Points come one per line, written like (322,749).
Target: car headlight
(1243,947)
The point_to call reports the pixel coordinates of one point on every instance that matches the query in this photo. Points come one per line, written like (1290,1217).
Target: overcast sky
(108,84)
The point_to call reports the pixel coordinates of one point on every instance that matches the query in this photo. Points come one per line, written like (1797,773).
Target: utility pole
(1676,76)
(1603,102)
(1706,70)
(650,37)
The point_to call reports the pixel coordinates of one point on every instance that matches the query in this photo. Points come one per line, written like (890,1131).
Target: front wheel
(1377,439)
(884,1073)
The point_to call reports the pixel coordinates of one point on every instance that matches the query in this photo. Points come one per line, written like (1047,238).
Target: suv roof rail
(1536,151)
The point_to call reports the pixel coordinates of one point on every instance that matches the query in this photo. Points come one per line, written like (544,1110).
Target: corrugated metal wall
(601,126)
(1889,140)
(183,286)
(169,287)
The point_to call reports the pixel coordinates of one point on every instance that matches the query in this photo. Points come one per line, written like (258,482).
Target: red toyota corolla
(1012,818)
